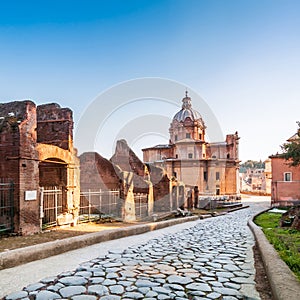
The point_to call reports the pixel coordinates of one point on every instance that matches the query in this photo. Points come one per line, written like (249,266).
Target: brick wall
(19,160)
(54,125)
(29,173)
(52,174)
(96,172)
(19,156)
(126,159)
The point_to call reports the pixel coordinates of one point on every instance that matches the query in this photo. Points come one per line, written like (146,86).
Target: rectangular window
(287,176)
(217,175)
(205,176)
(190,155)
(176,137)
(188,135)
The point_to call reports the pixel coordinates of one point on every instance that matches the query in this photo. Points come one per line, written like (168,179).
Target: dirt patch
(56,233)
(261,279)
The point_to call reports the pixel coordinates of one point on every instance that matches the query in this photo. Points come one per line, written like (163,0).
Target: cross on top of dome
(187,111)
(186,101)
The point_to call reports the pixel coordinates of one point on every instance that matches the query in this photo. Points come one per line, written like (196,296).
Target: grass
(285,240)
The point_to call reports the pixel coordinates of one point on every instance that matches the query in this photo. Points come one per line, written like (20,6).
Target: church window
(190,155)
(205,176)
(200,136)
(176,137)
(287,176)
(217,175)
(188,135)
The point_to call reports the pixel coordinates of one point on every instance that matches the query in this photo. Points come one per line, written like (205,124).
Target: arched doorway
(60,176)
(53,180)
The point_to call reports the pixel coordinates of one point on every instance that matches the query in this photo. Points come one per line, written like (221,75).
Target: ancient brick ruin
(126,172)
(36,150)
(38,157)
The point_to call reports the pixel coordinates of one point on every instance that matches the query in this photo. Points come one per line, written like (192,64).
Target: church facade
(210,168)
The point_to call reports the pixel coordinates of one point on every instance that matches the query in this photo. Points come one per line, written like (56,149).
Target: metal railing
(52,205)
(141,205)
(94,204)
(6,206)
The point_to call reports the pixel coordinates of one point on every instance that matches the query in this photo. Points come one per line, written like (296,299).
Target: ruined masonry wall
(54,125)
(19,160)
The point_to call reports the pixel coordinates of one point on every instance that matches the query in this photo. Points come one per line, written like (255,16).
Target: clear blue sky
(242,57)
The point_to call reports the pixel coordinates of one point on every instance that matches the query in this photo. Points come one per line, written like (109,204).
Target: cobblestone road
(212,260)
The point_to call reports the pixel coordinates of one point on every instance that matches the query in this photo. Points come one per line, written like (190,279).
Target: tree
(251,164)
(291,150)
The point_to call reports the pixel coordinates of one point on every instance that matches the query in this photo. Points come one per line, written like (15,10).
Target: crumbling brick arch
(45,151)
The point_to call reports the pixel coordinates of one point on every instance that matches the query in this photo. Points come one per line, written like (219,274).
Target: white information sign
(30,195)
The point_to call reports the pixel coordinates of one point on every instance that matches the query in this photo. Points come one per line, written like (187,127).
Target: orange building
(285,180)
(211,168)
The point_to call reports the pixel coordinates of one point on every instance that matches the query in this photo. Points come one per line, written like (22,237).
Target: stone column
(73,190)
(129,205)
(150,199)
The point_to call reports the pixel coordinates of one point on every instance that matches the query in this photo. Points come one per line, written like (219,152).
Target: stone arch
(65,166)
(46,151)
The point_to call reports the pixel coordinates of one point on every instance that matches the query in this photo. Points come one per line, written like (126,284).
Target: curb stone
(284,284)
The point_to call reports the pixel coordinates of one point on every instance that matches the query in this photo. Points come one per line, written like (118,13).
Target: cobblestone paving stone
(212,260)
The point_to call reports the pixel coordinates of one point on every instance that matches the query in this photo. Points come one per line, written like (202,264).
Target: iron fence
(141,205)
(6,206)
(52,205)
(94,204)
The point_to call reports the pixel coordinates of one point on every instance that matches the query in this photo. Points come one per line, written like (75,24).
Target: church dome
(187,111)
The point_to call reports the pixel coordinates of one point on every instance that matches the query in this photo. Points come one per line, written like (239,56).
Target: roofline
(278,155)
(168,146)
